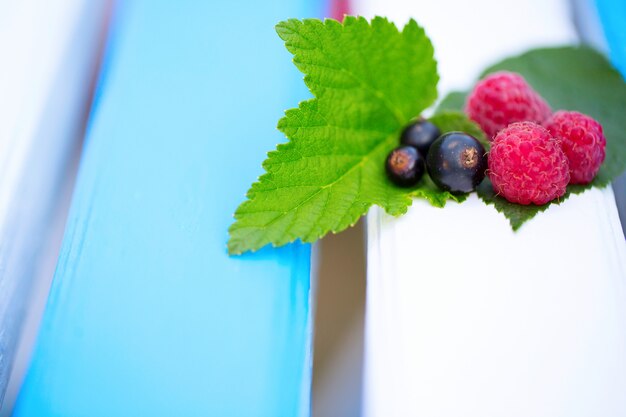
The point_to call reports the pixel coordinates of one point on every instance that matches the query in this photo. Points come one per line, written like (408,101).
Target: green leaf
(569,78)
(454,101)
(449,121)
(368,80)
(517,214)
(428,190)
(581,79)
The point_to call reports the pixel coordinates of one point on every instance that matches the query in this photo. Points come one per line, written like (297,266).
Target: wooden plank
(50,52)
(148,315)
(611,17)
(612,14)
(464,317)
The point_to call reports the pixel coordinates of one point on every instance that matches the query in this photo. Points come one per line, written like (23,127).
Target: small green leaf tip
(368,80)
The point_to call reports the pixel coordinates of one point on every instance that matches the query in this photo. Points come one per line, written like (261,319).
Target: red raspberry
(527,165)
(582,141)
(503,98)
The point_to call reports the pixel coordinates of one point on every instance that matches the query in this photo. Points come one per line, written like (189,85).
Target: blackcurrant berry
(457,162)
(405,166)
(420,134)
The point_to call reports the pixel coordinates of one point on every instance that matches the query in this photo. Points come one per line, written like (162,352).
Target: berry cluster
(534,153)
(455,161)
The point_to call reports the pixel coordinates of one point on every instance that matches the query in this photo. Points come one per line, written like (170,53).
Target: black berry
(420,134)
(405,166)
(457,162)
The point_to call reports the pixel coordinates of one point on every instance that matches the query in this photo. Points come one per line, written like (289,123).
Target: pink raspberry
(582,141)
(503,98)
(527,165)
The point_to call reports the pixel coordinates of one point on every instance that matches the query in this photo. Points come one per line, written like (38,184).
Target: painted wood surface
(49,52)
(612,15)
(148,315)
(612,20)
(465,317)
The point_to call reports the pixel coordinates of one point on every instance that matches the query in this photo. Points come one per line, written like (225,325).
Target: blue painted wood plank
(613,17)
(148,315)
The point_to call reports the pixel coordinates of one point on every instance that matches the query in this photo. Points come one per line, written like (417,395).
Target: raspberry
(527,165)
(503,98)
(582,141)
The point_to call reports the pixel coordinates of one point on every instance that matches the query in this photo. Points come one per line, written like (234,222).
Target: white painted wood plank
(465,317)
(49,51)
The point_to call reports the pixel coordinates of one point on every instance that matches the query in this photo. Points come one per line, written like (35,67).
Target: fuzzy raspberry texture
(527,165)
(583,142)
(503,98)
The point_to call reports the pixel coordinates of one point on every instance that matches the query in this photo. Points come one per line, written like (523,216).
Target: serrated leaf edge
(283,29)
